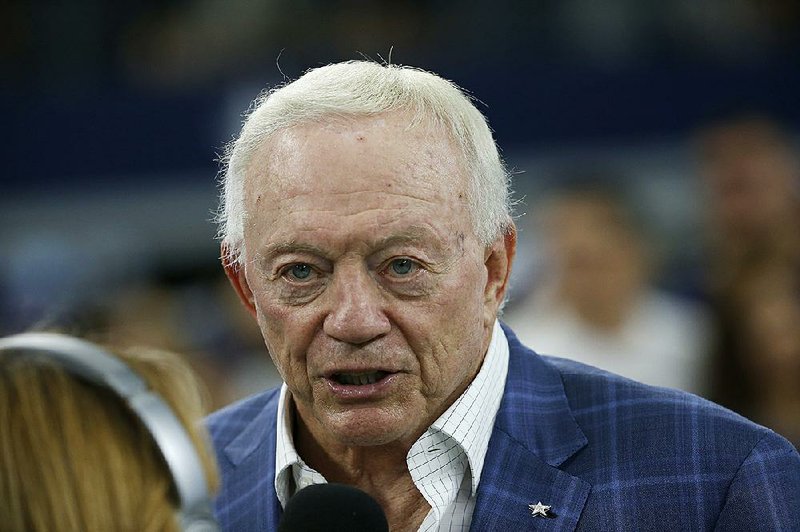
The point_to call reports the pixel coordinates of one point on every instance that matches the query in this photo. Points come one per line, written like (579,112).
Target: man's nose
(356,314)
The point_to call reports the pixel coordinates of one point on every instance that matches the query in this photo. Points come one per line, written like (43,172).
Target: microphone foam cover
(332,508)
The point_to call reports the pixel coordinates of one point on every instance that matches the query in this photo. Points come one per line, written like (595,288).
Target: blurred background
(653,147)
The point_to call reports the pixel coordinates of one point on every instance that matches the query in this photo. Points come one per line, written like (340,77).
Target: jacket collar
(535,411)
(535,432)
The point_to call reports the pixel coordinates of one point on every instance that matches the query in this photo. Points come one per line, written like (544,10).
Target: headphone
(95,365)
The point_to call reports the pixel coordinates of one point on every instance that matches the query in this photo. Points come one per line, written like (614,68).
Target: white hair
(363,88)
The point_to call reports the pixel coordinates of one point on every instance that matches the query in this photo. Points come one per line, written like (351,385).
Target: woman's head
(76,457)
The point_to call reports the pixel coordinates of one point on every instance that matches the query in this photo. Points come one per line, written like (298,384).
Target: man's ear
(498,259)
(235,273)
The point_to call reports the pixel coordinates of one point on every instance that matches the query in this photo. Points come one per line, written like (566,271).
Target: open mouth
(359,379)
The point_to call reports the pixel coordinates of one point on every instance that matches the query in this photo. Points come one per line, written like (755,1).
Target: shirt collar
(468,421)
(285,453)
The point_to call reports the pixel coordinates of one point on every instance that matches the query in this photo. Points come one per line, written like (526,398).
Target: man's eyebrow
(281,248)
(412,235)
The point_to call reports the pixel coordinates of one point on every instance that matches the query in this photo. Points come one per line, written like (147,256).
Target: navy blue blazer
(606,453)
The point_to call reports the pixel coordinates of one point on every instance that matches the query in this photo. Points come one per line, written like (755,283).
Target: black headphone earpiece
(95,365)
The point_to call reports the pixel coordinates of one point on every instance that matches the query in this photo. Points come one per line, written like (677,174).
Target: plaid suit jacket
(606,453)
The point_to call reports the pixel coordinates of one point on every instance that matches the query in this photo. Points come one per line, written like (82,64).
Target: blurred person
(186,311)
(752,174)
(153,314)
(366,227)
(595,302)
(768,387)
(87,443)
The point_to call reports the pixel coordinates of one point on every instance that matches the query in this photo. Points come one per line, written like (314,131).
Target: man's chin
(363,428)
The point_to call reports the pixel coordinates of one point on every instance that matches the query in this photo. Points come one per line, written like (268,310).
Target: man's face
(374,297)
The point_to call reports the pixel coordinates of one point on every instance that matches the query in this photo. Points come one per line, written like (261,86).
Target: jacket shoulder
(651,455)
(226,424)
(655,445)
(595,393)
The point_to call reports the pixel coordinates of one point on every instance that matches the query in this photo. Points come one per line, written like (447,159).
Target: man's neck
(380,471)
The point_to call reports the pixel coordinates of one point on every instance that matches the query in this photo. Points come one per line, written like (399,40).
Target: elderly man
(366,227)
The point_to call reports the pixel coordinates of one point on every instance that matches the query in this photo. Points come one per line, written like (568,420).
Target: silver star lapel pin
(539,509)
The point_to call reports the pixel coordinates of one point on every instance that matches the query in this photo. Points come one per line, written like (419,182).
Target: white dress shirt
(445,462)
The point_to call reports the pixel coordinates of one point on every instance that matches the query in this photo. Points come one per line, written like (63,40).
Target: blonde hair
(363,88)
(75,458)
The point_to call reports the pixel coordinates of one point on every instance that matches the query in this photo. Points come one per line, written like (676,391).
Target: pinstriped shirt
(445,462)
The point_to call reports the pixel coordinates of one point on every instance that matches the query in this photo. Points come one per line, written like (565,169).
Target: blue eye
(299,271)
(402,266)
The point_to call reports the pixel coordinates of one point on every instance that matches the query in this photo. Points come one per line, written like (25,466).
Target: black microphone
(332,508)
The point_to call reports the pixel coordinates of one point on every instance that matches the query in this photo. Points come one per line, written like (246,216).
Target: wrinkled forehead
(382,151)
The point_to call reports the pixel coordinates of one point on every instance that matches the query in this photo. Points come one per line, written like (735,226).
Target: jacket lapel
(534,433)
